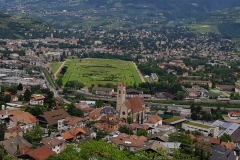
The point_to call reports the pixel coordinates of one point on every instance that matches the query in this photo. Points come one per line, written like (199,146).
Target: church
(135,107)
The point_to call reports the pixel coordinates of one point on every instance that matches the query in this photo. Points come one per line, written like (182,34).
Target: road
(139,73)
(58,70)
(56,95)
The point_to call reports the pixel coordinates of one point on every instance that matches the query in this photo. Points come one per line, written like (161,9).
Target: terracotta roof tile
(95,114)
(50,142)
(72,133)
(154,119)
(127,140)
(53,116)
(135,104)
(24,117)
(41,153)
(135,125)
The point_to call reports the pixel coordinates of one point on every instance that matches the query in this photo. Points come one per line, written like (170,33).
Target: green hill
(20,28)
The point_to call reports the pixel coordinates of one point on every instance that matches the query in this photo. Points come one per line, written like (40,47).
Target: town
(178,97)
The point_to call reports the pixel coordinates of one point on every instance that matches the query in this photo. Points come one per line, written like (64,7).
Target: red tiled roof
(25,117)
(154,119)
(136,104)
(234,113)
(41,153)
(24,149)
(135,125)
(72,133)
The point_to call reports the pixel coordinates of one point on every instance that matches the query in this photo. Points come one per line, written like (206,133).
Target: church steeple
(121,95)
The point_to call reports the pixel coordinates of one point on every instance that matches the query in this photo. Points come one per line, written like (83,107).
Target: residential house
(164,95)
(13,132)
(209,83)
(54,144)
(37,99)
(153,121)
(234,115)
(171,146)
(151,147)
(103,91)
(109,123)
(205,129)
(95,114)
(225,87)
(191,92)
(40,153)
(207,140)
(16,145)
(71,122)
(222,153)
(134,93)
(73,134)
(52,117)
(84,107)
(130,142)
(23,119)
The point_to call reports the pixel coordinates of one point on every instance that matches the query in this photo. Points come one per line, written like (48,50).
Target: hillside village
(40,118)
(132,125)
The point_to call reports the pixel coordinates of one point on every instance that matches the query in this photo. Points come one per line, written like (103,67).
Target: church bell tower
(121,95)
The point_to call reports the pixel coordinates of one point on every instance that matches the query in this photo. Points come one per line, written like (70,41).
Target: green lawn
(101,71)
(202,28)
(55,66)
(199,125)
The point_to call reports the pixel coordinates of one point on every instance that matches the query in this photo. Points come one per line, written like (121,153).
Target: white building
(37,99)
(153,121)
(23,119)
(206,130)
(234,115)
(54,144)
(70,122)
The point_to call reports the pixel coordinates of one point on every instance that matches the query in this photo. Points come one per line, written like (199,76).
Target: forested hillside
(17,27)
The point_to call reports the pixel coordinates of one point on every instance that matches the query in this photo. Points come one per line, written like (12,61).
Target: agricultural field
(55,66)
(101,71)
(205,28)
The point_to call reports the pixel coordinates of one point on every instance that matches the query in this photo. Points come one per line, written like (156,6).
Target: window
(119,92)
(123,113)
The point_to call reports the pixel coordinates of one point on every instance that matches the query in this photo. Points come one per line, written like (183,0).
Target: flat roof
(199,125)
(174,120)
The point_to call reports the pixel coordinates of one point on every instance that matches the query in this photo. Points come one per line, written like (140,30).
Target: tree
(129,120)
(100,135)
(7,98)
(99,103)
(180,95)
(34,136)
(27,95)
(101,150)
(73,111)
(142,132)
(180,137)
(3,151)
(2,131)
(226,138)
(20,87)
(9,157)
(125,129)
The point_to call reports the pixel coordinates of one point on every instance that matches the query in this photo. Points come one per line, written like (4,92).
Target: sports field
(101,71)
